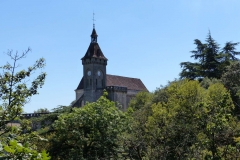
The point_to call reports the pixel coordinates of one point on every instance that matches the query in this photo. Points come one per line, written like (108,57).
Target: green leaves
(15,92)
(211,60)
(89,132)
(16,150)
(14,89)
(185,121)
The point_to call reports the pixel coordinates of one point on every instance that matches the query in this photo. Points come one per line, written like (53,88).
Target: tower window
(102,83)
(96,82)
(87,83)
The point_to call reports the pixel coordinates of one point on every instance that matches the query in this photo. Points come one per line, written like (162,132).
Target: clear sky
(144,39)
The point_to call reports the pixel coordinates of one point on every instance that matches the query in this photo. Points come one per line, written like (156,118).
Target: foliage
(206,82)
(42,110)
(15,92)
(134,138)
(18,143)
(191,122)
(231,80)
(45,122)
(90,132)
(141,99)
(17,150)
(212,60)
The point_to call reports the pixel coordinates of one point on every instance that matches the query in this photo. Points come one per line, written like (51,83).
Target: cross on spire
(93,20)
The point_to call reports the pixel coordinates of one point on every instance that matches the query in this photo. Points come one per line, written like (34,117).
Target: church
(95,79)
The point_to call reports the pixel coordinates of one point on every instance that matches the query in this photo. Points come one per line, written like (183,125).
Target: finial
(93,20)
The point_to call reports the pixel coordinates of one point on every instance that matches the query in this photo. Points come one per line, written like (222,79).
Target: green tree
(141,99)
(15,92)
(186,122)
(46,122)
(231,80)
(134,138)
(90,132)
(42,110)
(211,59)
(216,122)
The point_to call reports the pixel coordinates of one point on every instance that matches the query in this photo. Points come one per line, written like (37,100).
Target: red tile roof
(113,80)
(130,83)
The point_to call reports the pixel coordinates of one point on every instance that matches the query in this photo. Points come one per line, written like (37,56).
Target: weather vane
(93,20)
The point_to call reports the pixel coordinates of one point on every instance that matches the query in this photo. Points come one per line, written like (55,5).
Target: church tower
(94,70)
(95,79)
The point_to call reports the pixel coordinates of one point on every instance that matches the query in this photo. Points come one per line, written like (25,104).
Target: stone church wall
(121,98)
(92,95)
(119,95)
(79,93)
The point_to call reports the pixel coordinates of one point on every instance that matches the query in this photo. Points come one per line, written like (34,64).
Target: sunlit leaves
(16,150)
(15,89)
(89,132)
(187,122)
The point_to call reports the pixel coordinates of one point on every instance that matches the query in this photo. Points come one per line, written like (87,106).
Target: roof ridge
(123,76)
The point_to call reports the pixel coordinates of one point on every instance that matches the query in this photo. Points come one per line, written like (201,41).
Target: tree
(141,99)
(15,92)
(187,122)
(90,132)
(134,138)
(231,80)
(42,110)
(211,60)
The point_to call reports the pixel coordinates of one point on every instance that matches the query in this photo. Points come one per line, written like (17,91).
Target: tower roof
(94,50)
(94,33)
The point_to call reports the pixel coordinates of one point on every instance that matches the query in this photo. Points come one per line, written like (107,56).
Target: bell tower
(94,70)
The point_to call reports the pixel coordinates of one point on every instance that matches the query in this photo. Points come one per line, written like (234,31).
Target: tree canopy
(15,92)
(211,59)
(191,122)
(90,132)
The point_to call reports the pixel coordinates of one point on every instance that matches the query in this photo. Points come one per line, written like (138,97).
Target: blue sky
(144,39)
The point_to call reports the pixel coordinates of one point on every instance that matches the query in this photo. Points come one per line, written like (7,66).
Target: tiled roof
(130,83)
(80,85)
(94,51)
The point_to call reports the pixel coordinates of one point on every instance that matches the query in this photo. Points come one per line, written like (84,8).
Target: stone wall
(118,95)
(79,93)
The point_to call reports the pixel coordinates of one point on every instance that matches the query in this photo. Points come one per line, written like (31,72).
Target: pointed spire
(94,33)
(94,36)
(93,20)
(94,50)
